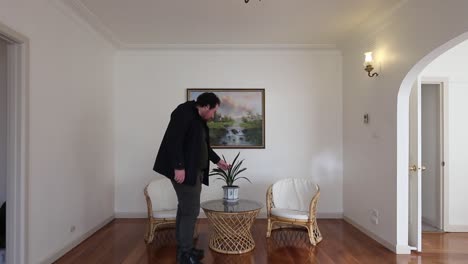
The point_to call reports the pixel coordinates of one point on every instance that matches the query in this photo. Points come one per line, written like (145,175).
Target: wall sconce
(368,63)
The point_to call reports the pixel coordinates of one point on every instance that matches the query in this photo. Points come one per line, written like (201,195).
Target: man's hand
(223,165)
(179,176)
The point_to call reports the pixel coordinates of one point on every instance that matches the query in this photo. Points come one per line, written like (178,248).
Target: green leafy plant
(232,174)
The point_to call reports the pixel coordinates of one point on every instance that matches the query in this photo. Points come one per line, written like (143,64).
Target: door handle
(414,168)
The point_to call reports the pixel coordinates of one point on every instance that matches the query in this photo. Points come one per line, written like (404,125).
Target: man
(184,157)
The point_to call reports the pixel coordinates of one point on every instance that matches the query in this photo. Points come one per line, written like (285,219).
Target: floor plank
(121,241)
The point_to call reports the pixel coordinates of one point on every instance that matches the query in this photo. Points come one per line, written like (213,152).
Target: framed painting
(240,119)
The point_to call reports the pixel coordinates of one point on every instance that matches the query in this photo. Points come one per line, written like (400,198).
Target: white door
(414,170)
(431,149)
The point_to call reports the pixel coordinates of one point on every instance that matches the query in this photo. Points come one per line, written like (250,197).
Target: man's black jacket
(181,145)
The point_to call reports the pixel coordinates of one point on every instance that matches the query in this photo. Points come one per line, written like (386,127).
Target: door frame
(17,144)
(443,83)
(414,177)
(402,134)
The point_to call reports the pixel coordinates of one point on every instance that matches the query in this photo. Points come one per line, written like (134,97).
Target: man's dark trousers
(188,209)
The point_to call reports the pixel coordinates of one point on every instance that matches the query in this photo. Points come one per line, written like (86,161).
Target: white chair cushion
(165,214)
(293,193)
(162,195)
(288,213)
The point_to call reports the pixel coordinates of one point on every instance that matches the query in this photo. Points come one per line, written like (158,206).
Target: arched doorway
(403,134)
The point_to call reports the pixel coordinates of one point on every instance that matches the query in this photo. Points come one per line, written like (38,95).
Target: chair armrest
(313,203)
(149,204)
(269,200)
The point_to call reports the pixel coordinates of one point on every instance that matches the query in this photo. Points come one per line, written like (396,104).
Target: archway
(403,129)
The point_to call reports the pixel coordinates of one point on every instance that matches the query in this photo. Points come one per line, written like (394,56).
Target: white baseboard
(121,215)
(456,228)
(261,215)
(55,256)
(398,249)
(403,249)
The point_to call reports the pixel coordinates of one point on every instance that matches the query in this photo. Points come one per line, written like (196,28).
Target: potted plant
(231,191)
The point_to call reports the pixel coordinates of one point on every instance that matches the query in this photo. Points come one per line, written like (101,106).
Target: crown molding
(125,46)
(89,17)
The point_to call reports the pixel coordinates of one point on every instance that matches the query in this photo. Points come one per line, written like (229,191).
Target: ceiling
(152,23)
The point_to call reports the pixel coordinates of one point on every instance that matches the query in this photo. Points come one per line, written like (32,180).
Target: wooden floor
(121,241)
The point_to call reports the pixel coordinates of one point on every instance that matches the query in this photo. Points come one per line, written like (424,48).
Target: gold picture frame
(240,120)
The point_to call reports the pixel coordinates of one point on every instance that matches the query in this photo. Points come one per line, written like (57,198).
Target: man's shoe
(199,253)
(189,258)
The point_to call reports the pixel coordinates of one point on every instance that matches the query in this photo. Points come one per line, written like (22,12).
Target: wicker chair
(294,202)
(161,202)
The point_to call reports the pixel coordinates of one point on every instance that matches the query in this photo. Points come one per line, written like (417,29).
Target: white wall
(70,168)
(3,120)
(372,179)
(430,154)
(303,116)
(452,65)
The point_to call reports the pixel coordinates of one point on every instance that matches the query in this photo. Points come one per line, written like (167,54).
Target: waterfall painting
(240,119)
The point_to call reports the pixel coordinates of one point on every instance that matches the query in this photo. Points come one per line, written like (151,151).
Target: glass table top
(242,205)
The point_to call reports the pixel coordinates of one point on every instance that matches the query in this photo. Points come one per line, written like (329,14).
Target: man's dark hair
(210,99)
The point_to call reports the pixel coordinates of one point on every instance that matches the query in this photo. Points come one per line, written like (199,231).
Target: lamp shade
(368,58)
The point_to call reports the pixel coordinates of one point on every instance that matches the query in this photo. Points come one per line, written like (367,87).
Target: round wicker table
(231,223)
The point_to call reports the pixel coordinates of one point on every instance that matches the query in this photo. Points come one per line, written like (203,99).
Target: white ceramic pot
(231,193)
